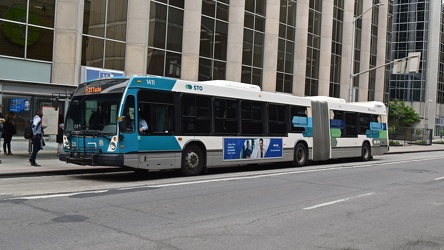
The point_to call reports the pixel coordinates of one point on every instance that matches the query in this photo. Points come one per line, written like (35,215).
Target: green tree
(401,115)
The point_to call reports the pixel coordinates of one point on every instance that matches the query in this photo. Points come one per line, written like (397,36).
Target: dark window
(351,124)
(252,118)
(225,116)
(195,114)
(277,124)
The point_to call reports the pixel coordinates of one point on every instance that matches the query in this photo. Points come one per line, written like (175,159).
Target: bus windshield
(93,113)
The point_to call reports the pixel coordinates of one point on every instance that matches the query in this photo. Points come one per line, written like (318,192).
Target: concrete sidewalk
(17,165)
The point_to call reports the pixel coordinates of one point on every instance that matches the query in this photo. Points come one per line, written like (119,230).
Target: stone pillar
(300,57)
(346,50)
(235,41)
(137,37)
(381,54)
(67,42)
(326,40)
(191,40)
(271,45)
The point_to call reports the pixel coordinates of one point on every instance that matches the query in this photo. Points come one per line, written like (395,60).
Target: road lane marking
(440,178)
(256,176)
(337,201)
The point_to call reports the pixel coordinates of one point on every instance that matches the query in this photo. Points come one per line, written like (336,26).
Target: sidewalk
(17,165)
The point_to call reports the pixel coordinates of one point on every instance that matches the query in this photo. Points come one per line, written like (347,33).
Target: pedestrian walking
(59,138)
(9,130)
(37,133)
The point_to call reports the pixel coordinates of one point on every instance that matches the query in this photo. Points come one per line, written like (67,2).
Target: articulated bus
(193,126)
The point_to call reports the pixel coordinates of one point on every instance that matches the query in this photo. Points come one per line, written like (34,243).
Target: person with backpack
(37,136)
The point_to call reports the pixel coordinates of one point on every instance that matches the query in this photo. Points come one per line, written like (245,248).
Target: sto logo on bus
(194,87)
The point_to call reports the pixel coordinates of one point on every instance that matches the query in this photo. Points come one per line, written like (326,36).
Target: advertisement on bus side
(252,148)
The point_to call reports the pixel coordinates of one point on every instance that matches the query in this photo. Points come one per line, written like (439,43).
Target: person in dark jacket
(9,130)
(59,138)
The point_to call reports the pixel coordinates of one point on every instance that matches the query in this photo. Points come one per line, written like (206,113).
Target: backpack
(28,130)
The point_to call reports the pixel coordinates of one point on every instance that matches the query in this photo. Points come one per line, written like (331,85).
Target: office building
(300,47)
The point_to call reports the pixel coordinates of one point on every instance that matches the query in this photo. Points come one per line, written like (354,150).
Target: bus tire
(300,155)
(192,160)
(366,152)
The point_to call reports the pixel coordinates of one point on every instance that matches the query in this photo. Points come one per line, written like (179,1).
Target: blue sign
(17,105)
(252,148)
(93,74)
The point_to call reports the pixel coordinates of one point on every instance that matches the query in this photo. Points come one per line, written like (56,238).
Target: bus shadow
(129,175)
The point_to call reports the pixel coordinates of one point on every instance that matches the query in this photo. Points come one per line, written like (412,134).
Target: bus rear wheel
(366,153)
(192,160)
(300,155)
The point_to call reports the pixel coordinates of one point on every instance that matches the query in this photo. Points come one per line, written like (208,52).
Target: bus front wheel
(366,153)
(192,160)
(300,155)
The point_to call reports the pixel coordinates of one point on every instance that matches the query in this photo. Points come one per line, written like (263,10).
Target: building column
(191,40)
(326,40)
(235,41)
(67,42)
(365,50)
(381,51)
(271,45)
(300,56)
(432,58)
(347,42)
(137,37)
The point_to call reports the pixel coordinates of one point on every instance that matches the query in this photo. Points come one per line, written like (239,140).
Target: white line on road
(255,176)
(440,178)
(337,201)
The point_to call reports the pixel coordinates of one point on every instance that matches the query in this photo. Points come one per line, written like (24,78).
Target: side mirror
(122,123)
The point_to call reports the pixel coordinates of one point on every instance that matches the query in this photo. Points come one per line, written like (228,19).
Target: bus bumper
(92,159)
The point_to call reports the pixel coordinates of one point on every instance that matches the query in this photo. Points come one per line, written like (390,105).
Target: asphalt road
(392,202)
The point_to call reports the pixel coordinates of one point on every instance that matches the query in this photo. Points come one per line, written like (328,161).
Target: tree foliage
(401,115)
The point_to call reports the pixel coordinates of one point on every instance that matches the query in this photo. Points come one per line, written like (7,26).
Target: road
(392,202)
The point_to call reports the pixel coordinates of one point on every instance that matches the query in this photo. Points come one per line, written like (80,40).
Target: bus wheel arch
(366,151)
(193,160)
(300,154)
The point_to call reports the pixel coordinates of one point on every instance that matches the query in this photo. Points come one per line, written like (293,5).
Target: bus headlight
(112,146)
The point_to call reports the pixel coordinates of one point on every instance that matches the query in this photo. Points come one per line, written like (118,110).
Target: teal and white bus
(193,126)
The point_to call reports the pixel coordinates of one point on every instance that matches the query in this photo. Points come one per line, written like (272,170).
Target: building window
(104,34)
(287,30)
(336,49)
(373,52)
(27,29)
(213,40)
(254,36)
(313,48)
(165,38)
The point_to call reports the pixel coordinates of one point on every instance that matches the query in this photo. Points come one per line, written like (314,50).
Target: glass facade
(165,38)
(336,48)
(253,47)
(313,48)
(213,40)
(410,34)
(104,34)
(287,31)
(27,29)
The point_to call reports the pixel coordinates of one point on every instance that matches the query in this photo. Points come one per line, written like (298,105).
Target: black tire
(300,155)
(366,152)
(192,160)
